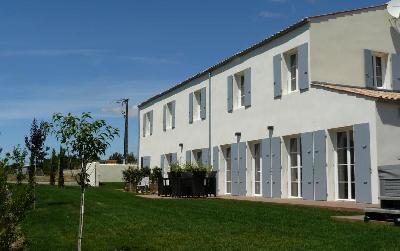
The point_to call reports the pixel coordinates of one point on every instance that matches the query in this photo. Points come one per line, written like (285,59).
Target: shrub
(132,177)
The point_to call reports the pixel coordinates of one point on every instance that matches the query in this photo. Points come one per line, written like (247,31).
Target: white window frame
(239,92)
(298,167)
(228,179)
(197,105)
(168,116)
(289,72)
(347,131)
(147,122)
(384,64)
(254,169)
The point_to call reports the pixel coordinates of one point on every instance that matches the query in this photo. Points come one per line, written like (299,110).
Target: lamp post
(270,133)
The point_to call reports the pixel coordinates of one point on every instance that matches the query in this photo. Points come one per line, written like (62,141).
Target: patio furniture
(389,178)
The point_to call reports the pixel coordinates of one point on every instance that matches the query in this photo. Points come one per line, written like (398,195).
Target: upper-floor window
(293,72)
(197,105)
(169,116)
(239,90)
(148,124)
(379,61)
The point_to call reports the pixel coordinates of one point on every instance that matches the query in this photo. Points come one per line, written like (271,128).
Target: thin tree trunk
(82,211)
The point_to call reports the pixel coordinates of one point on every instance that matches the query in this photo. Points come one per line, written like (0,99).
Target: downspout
(209,118)
(138,137)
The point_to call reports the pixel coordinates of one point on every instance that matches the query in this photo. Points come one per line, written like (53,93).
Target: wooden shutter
(307,182)
(242,168)
(165,117)
(173,105)
(247,87)
(215,158)
(188,157)
(320,165)
(230,93)
(191,107)
(266,168)
(204,156)
(151,122)
(203,106)
(368,69)
(162,160)
(234,170)
(396,72)
(276,167)
(144,125)
(277,64)
(304,80)
(362,163)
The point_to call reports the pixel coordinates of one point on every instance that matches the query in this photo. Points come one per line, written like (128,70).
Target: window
(257,169)
(345,165)
(148,123)
(241,92)
(198,156)
(197,105)
(295,167)
(379,64)
(228,168)
(293,72)
(169,113)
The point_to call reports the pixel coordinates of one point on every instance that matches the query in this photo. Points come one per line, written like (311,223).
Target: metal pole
(126,101)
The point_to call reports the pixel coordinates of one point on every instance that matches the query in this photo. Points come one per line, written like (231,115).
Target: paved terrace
(335,205)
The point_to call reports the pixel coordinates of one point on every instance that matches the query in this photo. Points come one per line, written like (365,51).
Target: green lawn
(121,221)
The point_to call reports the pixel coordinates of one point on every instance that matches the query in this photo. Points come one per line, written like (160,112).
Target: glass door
(295,167)
(345,165)
(228,172)
(257,169)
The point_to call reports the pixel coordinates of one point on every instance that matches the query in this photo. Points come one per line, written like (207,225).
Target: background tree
(62,165)
(118,157)
(53,165)
(18,155)
(87,138)
(131,158)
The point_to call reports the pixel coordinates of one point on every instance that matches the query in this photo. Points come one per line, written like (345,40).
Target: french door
(257,169)
(345,165)
(295,167)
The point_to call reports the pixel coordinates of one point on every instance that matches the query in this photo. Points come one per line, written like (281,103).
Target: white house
(309,112)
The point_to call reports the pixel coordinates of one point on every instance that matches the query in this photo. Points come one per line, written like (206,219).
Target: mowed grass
(115,220)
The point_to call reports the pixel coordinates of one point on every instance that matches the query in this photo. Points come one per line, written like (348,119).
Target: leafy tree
(131,158)
(62,165)
(53,164)
(35,144)
(118,157)
(18,155)
(132,177)
(14,202)
(87,139)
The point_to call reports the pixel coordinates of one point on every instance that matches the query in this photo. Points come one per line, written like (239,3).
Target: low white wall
(106,172)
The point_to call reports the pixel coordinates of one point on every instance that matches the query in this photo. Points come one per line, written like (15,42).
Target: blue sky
(75,55)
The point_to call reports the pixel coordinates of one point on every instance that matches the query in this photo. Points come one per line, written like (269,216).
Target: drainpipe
(209,118)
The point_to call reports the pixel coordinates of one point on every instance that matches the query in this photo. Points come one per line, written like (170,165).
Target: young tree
(87,139)
(53,164)
(62,164)
(18,155)
(14,202)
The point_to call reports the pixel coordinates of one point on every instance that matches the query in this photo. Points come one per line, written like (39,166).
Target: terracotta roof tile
(384,95)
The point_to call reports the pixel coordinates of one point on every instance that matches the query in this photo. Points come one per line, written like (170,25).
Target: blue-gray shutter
(164,120)
(174,158)
(368,69)
(276,167)
(396,72)
(304,80)
(266,168)
(204,156)
(191,107)
(144,125)
(247,87)
(173,105)
(362,163)
(307,182)
(320,178)
(235,169)
(203,106)
(162,162)
(242,168)
(215,158)
(230,93)
(188,156)
(151,123)
(277,64)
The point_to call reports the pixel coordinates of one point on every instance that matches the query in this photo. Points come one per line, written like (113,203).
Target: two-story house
(309,112)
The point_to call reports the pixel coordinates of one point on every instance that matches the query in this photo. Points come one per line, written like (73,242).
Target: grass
(115,220)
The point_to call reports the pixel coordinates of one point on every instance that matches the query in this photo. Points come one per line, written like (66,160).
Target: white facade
(329,48)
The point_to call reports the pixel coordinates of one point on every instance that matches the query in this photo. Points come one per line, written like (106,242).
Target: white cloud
(52,52)
(269,14)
